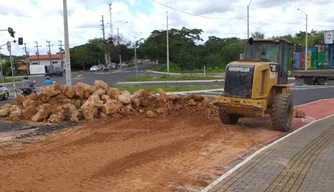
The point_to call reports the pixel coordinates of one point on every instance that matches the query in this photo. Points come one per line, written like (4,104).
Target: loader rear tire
(228,119)
(282,112)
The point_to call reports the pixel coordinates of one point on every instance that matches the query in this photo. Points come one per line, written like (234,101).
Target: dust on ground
(181,153)
(128,143)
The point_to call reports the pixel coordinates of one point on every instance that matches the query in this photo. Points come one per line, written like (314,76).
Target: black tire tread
(279,115)
(228,119)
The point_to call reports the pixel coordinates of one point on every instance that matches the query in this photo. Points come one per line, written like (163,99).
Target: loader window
(265,51)
(238,83)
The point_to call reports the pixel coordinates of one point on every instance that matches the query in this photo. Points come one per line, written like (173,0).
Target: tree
(258,35)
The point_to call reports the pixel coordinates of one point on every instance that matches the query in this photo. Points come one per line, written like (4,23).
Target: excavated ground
(127,143)
(133,154)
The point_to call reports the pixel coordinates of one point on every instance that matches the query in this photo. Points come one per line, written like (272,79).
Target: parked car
(95,68)
(55,73)
(111,66)
(4,93)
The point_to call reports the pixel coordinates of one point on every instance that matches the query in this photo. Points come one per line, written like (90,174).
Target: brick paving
(302,162)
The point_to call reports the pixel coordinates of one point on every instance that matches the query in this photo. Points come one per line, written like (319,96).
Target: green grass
(168,78)
(166,88)
(9,80)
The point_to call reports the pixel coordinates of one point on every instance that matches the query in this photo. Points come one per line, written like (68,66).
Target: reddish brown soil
(136,154)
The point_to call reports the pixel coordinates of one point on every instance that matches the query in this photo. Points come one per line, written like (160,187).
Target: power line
(217,18)
(288,23)
(207,17)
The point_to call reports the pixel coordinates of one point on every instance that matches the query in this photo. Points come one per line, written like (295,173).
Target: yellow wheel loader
(257,85)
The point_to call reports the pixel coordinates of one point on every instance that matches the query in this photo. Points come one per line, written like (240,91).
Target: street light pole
(2,77)
(135,48)
(167,44)
(119,45)
(306,46)
(67,46)
(248,19)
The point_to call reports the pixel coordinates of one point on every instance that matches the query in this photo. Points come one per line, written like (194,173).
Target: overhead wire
(288,23)
(196,15)
(234,18)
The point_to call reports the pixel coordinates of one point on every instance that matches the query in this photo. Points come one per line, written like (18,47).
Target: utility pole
(135,49)
(37,53)
(11,65)
(119,48)
(104,41)
(61,53)
(67,46)
(167,44)
(110,20)
(248,19)
(306,59)
(111,31)
(2,77)
(26,54)
(49,53)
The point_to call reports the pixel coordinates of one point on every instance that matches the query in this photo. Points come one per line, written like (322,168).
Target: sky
(42,20)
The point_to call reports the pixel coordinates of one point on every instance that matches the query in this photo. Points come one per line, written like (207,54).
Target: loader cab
(276,52)
(239,75)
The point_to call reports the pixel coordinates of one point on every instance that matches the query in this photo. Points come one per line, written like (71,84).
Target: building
(43,63)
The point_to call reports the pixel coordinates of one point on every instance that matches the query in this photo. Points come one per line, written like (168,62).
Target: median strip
(177,81)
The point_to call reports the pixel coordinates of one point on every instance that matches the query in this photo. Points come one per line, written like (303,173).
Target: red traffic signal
(11,32)
(110,40)
(20,40)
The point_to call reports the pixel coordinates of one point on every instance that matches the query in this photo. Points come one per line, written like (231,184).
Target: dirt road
(135,154)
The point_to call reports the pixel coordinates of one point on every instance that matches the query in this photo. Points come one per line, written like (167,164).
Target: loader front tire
(228,119)
(282,112)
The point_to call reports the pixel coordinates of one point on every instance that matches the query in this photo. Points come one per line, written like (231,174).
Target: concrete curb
(195,91)
(160,82)
(189,74)
(180,74)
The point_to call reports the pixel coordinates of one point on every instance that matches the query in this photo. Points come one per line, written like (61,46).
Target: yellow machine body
(263,82)
(264,87)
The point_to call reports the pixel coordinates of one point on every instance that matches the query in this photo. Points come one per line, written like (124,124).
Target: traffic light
(11,32)
(298,47)
(110,40)
(20,40)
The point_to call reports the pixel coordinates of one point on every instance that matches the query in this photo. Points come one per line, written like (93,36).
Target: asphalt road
(301,94)
(213,82)
(110,77)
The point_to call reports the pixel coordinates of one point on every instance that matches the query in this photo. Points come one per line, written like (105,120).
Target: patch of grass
(148,77)
(9,80)
(166,88)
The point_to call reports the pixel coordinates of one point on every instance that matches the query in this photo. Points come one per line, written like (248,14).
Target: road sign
(9,46)
(329,37)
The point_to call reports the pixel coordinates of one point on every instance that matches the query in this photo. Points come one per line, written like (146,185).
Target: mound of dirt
(58,103)
(299,113)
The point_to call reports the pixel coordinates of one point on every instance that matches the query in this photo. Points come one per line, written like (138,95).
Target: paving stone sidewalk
(302,162)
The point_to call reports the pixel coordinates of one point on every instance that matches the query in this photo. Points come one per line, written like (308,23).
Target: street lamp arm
(301,11)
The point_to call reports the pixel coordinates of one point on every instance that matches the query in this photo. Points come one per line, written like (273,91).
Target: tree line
(187,51)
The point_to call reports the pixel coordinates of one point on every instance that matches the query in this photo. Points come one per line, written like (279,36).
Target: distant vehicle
(123,65)
(95,68)
(26,92)
(55,73)
(4,93)
(113,66)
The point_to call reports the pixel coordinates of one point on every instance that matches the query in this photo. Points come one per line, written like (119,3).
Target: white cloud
(45,22)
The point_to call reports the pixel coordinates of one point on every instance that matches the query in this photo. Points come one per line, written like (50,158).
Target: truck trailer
(319,62)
